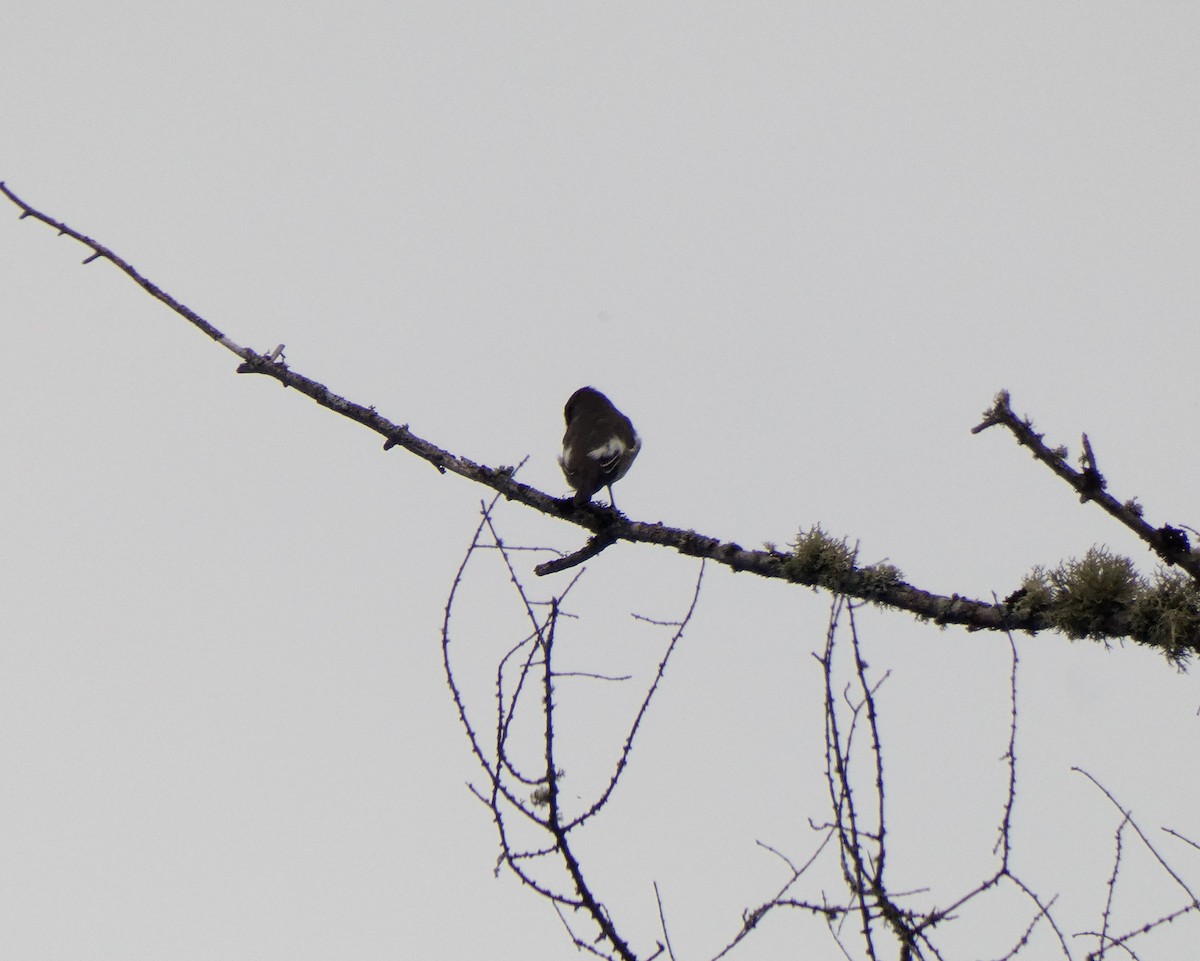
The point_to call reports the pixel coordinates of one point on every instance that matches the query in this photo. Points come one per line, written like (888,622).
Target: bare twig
(1185,840)
(595,544)
(1106,915)
(554,821)
(1003,841)
(623,759)
(751,916)
(1128,816)
(662,920)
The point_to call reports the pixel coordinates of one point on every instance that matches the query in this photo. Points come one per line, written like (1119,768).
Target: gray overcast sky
(800,245)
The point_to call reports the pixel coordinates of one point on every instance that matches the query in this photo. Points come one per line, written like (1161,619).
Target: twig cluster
(1106,941)
(854,775)
(518,796)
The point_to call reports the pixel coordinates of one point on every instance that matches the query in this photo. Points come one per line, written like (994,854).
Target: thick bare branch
(1169,619)
(606,524)
(1168,542)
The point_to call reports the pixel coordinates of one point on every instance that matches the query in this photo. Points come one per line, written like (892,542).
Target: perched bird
(599,445)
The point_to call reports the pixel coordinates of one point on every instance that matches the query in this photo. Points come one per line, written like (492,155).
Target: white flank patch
(613,447)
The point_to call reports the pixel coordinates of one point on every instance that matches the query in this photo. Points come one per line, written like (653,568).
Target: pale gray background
(801,245)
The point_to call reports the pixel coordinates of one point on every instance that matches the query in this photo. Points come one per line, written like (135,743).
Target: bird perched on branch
(599,445)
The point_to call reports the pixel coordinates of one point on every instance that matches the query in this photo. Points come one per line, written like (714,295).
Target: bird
(599,445)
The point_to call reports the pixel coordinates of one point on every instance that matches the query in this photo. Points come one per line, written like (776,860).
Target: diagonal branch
(607,524)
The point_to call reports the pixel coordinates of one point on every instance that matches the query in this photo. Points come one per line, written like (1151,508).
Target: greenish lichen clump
(1089,593)
(1167,616)
(822,560)
(1102,596)
(879,579)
